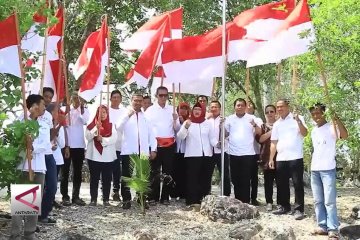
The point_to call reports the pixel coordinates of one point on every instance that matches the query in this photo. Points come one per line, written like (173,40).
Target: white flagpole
(223,94)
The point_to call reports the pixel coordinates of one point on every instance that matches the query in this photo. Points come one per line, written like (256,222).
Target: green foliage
(139,182)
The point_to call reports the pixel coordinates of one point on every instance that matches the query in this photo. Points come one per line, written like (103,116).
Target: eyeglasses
(269,112)
(162,95)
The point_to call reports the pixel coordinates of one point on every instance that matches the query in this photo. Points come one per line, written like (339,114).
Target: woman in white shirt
(198,150)
(100,153)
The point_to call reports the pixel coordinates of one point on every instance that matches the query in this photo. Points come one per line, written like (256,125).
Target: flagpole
(61,54)
(278,78)
(44,51)
(213,88)
(108,62)
(174,98)
(27,137)
(223,94)
(179,95)
(247,85)
(294,82)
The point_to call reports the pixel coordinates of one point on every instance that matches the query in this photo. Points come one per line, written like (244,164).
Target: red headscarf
(201,118)
(184,105)
(104,131)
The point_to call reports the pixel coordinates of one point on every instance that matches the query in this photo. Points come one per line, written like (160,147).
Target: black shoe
(78,201)
(106,204)
(47,221)
(116,196)
(66,202)
(126,205)
(281,210)
(165,202)
(255,202)
(37,230)
(152,202)
(93,204)
(57,205)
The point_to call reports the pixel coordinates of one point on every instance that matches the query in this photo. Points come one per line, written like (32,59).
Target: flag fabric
(142,37)
(293,37)
(9,53)
(260,24)
(33,44)
(147,60)
(96,53)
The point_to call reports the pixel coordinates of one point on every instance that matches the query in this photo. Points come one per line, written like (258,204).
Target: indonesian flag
(9,53)
(142,37)
(260,24)
(196,87)
(33,44)
(292,38)
(146,62)
(92,62)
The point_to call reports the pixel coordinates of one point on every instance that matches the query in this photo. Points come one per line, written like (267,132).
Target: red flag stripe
(8,34)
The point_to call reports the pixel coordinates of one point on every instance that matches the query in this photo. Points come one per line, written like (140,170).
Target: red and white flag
(9,54)
(293,37)
(260,24)
(92,62)
(142,37)
(146,62)
(33,44)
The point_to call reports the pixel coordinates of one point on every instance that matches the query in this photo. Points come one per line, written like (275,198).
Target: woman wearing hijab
(198,151)
(100,153)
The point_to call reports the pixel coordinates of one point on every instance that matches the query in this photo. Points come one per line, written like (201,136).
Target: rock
(245,231)
(73,236)
(355,214)
(144,234)
(227,209)
(276,232)
(350,232)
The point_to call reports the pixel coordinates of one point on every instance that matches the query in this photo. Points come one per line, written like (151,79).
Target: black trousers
(255,178)
(285,170)
(97,169)
(165,160)
(116,173)
(269,179)
(216,160)
(126,172)
(179,176)
(241,167)
(197,178)
(77,156)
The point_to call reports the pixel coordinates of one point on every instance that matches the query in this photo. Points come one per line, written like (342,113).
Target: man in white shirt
(117,111)
(241,129)
(146,103)
(79,116)
(254,173)
(323,170)
(287,139)
(164,123)
(138,138)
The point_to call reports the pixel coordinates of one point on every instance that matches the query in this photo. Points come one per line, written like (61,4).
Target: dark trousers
(97,169)
(116,173)
(241,167)
(254,178)
(50,186)
(269,178)
(126,172)
(216,160)
(179,176)
(285,170)
(165,159)
(196,179)
(77,156)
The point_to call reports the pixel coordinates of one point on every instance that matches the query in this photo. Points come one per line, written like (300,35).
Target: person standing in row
(198,152)
(264,140)
(323,170)
(100,153)
(164,123)
(287,139)
(241,129)
(138,138)
(146,103)
(116,111)
(79,116)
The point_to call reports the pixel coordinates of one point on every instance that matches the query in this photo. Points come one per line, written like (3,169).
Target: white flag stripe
(10,55)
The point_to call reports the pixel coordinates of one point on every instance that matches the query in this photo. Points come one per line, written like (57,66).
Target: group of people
(183,147)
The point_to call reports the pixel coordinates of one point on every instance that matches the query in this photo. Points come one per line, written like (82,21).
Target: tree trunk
(257,92)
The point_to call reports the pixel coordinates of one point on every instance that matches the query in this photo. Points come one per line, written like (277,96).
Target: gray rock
(355,214)
(350,232)
(73,236)
(144,234)
(226,209)
(245,231)
(276,232)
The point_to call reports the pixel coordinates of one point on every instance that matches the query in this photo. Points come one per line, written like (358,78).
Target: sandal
(333,235)
(319,232)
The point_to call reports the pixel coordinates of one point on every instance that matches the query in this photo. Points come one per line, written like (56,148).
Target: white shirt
(40,146)
(60,141)
(108,144)
(199,139)
(180,144)
(161,120)
(47,119)
(241,134)
(257,145)
(75,130)
(115,116)
(137,135)
(215,124)
(290,141)
(324,143)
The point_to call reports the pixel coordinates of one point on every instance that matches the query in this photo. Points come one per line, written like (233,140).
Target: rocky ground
(172,222)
